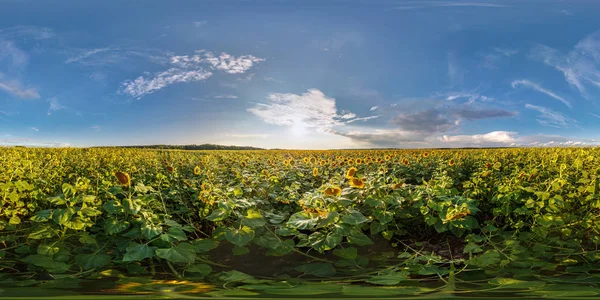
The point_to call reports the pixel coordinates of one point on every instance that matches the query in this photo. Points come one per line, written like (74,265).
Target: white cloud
(87,53)
(144,86)
(373,108)
(312,109)
(96,128)
(363,119)
(551,118)
(13,54)
(540,89)
(223,62)
(15,88)
(54,106)
(581,66)
(34,129)
(494,137)
(189,69)
(199,23)
(595,115)
(226,96)
(34,32)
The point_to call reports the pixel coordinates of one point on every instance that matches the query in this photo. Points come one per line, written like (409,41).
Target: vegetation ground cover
(301,223)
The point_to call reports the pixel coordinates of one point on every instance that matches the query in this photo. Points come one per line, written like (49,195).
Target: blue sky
(300,74)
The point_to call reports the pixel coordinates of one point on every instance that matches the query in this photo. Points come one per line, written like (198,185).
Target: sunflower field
(253,218)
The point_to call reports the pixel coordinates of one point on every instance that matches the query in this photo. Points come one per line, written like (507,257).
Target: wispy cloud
(199,23)
(373,108)
(189,68)
(540,89)
(15,88)
(581,66)
(144,86)
(13,55)
(34,129)
(87,53)
(456,74)
(54,106)
(496,56)
(595,115)
(312,109)
(96,128)
(223,62)
(551,118)
(33,32)
(226,96)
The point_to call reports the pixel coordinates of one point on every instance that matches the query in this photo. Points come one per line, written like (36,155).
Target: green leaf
(204,245)
(302,220)
(137,252)
(323,242)
(150,230)
(240,237)
(14,220)
(317,269)
(112,207)
(254,219)
(47,250)
(354,217)
(47,263)
(201,269)
(62,215)
(92,261)
(359,238)
(182,253)
(132,206)
(174,234)
(472,248)
(349,253)
(42,216)
(114,226)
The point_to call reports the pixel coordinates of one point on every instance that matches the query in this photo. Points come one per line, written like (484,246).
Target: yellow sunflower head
(351,172)
(451,162)
(196,170)
(123,178)
(357,183)
(333,191)
(315,172)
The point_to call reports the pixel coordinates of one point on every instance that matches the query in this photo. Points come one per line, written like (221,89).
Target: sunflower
(315,172)
(350,173)
(170,169)
(286,163)
(451,162)
(425,154)
(123,178)
(265,173)
(357,183)
(359,161)
(243,164)
(333,191)
(405,161)
(196,170)
(306,160)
